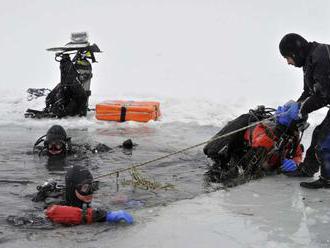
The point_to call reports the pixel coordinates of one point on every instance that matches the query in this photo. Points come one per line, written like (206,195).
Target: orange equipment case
(127,111)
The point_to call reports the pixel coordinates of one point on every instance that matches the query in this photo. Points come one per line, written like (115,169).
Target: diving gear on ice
(83,53)
(34,93)
(70,96)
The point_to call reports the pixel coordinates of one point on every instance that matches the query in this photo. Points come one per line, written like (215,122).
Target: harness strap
(84,214)
(123,114)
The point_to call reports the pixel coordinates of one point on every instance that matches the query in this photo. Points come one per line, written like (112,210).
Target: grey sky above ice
(220,50)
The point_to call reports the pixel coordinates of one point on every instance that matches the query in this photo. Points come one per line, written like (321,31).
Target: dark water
(25,171)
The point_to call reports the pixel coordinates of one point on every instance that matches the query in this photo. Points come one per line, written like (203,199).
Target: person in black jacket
(314,59)
(68,98)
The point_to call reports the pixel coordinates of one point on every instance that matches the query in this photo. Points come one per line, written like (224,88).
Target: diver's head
(56,141)
(294,48)
(79,186)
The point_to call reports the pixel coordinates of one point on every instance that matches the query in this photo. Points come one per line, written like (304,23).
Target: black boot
(320,183)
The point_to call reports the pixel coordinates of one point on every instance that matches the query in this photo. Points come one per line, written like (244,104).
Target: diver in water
(252,152)
(71,204)
(78,195)
(56,143)
(61,152)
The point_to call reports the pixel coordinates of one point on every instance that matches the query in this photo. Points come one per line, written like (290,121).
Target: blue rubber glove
(286,114)
(120,215)
(289,165)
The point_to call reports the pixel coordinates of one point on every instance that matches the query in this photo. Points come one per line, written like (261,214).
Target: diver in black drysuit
(221,150)
(56,143)
(61,153)
(234,146)
(57,146)
(52,193)
(68,98)
(76,194)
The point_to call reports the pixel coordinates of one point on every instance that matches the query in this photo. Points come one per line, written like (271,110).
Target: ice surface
(284,215)
(271,212)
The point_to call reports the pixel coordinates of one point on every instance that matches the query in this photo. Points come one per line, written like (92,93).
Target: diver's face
(55,148)
(84,191)
(290,61)
(84,198)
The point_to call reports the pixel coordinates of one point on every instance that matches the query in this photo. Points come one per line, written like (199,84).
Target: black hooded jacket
(316,92)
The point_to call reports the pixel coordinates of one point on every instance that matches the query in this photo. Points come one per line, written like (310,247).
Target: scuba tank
(84,69)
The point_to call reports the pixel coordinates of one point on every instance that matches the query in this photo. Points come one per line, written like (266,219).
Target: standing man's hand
(287,113)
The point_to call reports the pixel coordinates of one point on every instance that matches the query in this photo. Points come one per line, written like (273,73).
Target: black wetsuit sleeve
(317,76)
(304,95)
(312,104)
(99,215)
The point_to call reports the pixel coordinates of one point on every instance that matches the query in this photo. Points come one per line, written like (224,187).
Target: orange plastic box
(127,111)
